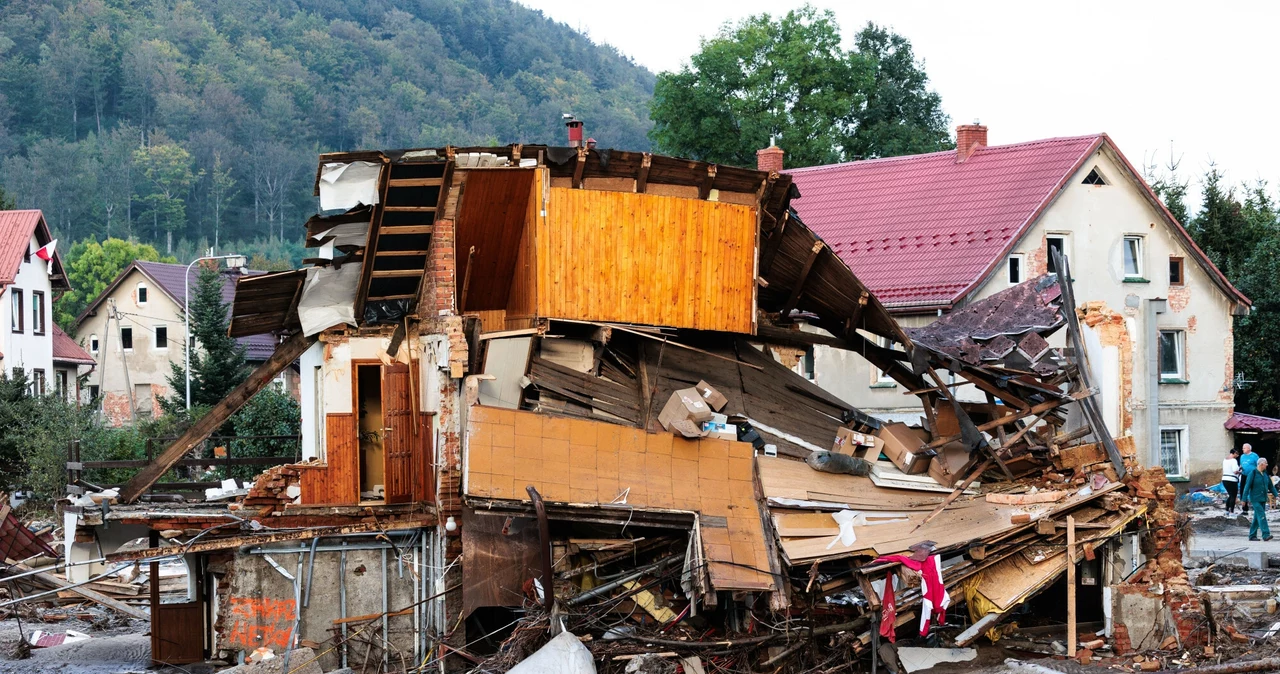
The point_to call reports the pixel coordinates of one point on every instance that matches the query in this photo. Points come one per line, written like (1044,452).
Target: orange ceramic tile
(479,433)
(506,417)
(582,477)
(743,551)
(479,413)
(555,427)
(503,436)
(715,449)
(606,490)
(502,487)
(556,492)
(659,443)
(528,447)
(607,437)
(526,469)
(742,492)
(479,484)
(661,498)
(632,439)
(637,494)
(684,471)
(713,469)
(502,465)
(718,552)
(742,534)
(582,456)
(529,424)
(685,498)
(658,466)
(685,449)
(715,535)
(582,495)
(583,432)
(740,468)
(713,489)
(630,465)
(715,507)
(479,459)
(607,463)
(555,451)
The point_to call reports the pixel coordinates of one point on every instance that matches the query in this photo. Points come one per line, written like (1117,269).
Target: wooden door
(424,483)
(400,432)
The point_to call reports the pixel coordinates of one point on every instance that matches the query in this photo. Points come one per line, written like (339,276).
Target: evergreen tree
(218,364)
(6,202)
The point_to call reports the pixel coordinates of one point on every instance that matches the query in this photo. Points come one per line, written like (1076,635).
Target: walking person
(1231,478)
(1248,462)
(1256,488)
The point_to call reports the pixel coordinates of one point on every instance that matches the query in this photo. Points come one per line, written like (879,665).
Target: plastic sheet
(562,655)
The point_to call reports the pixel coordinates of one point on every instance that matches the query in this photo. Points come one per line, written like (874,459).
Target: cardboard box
(948,424)
(720,430)
(856,444)
(685,405)
(687,428)
(714,398)
(946,467)
(904,448)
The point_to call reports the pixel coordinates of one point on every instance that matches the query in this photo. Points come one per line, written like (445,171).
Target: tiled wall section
(580,461)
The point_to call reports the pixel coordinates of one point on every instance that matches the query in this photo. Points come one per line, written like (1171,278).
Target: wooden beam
(769,251)
(1071,586)
(466,280)
(1006,419)
(410,209)
(395,230)
(646,389)
(291,317)
(578,168)
(798,287)
(371,244)
(642,180)
(416,182)
(858,309)
(708,182)
(259,379)
(97,597)
(396,273)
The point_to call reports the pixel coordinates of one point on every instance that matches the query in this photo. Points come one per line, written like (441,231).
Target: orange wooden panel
(522,302)
(643,258)
(342,453)
(399,433)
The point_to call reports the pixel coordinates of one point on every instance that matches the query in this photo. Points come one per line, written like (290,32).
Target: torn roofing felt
(992,328)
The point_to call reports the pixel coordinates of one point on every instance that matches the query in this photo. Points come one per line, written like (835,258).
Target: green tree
(15,405)
(788,78)
(91,267)
(1226,229)
(7,203)
(218,365)
(167,169)
(269,413)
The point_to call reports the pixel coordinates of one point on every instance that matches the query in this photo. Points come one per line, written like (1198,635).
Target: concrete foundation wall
(260,605)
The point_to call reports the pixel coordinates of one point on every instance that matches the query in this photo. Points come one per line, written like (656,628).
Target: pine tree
(218,364)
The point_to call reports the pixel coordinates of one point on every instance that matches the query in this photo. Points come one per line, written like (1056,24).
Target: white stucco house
(27,285)
(931,233)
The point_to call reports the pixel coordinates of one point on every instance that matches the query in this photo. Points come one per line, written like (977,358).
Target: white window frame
(879,378)
(1182,432)
(317,379)
(139,290)
(1139,262)
(1180,348)
(1021,258)
(1048,251)
(155,343)
(93,344)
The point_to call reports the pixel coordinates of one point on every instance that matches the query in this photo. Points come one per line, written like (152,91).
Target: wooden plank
(396,273)
(371,244)
(642,178)
(395,230)
(416,182)
(284,355)
(1071,586)
(400,253)
(410,209)
(97,597)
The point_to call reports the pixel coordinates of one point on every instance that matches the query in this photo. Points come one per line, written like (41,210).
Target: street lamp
(232,261)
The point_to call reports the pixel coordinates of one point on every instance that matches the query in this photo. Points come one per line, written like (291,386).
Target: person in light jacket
(1231,478)
(1248,462)
(1256,488)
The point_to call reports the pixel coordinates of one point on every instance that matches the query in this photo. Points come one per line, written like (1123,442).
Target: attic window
(1015,268)
(1094,178)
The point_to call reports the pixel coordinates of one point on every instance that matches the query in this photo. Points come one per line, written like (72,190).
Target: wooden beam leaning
(804,275)
(284,355)
(642,180)
(371,245)
(97,597)
(579,167)
(1006,419)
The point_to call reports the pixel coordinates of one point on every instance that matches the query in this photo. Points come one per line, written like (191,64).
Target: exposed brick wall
(770,159)
(969,137)
(440,288)
(1112,332)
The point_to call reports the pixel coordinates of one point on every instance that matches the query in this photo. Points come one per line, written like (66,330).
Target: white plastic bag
(562,655)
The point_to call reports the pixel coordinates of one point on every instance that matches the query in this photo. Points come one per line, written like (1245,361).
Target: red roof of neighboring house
(65,349)
(16,228)
(923,231)
(1249,422)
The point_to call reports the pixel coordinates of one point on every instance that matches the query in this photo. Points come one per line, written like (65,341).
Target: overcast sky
(1204,79)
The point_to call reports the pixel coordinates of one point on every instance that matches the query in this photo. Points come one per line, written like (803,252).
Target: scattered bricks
(1020,518)
(1120,639)
(1235,634)
(1094,645)
(1271,606)
(1169,643)
(1084,656)
(1148,666)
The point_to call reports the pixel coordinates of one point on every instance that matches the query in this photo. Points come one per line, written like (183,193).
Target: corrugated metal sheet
(1250,422)
(65,349)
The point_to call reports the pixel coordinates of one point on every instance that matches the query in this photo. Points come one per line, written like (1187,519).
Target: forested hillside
(178,122)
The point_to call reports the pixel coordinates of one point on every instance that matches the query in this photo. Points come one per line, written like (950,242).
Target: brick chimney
(969,137)
(770,158)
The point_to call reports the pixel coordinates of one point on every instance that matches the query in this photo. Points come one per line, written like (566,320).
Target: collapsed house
(547,382)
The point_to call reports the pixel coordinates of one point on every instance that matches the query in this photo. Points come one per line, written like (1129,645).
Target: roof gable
(16,230)
(923,231)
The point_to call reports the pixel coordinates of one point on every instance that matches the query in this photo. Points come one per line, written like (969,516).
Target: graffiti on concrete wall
(260,621)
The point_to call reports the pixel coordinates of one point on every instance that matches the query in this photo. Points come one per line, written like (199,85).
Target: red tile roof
(1249,422)
(16,228)
(65,349)
(922,230)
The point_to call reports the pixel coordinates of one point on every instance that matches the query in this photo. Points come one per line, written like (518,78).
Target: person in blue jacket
(1248,462)
(1257,485)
